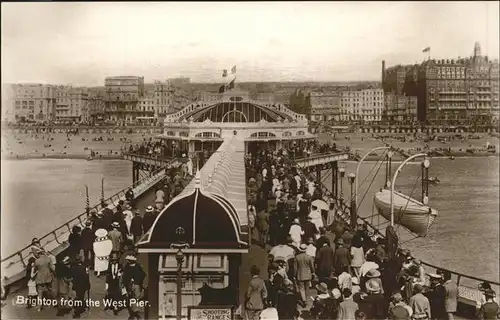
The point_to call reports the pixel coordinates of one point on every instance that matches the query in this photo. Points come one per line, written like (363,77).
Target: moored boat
(408,212)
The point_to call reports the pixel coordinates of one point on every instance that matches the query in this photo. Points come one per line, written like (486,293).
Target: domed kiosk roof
(208,221)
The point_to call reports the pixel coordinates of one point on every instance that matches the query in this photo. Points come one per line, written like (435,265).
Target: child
(31,274)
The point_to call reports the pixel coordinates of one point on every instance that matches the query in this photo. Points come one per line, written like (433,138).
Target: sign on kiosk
(210,313)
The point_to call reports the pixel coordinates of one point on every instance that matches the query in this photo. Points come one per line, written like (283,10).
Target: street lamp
(342,174)
(179,256)
(352,177)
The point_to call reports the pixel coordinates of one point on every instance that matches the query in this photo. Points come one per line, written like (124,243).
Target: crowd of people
(106,245)
(321,267)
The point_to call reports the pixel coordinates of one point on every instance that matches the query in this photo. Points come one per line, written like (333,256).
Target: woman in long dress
(102,249)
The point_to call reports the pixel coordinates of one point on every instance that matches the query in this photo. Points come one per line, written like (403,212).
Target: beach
(62,146)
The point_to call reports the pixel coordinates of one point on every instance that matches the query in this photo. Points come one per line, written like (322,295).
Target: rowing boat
(408,212)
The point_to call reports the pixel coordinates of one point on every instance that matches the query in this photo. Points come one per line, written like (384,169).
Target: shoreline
(62,156)
(120,157)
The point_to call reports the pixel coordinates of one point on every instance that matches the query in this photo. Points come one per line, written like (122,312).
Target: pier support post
(318,173)
(134,172)
(334,178)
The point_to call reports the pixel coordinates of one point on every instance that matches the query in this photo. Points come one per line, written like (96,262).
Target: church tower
(477,49)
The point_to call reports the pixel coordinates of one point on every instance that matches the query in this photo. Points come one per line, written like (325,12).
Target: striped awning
(224,175)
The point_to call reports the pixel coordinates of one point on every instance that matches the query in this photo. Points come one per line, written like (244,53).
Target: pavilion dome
(207,220)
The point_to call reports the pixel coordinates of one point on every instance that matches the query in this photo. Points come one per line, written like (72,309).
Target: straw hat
(336,293)
(373,273)
(101,233)
(322,287)
(397,297)
(150,209)
(130,258)
(115,224)
(434,276)
(303,247)
(373,286)
(66,260)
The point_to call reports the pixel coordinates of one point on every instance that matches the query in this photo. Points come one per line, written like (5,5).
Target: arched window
(170,133)
(234,116)
(183,134)
(287,134)
(301,133)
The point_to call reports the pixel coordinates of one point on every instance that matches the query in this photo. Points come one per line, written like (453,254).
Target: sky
(81,43)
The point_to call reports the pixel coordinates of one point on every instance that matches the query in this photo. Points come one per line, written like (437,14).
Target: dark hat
(489,293)
(417,288)
(340,241)
(303,247)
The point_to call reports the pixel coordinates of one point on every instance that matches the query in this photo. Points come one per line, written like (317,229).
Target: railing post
(458,280)
(21,258)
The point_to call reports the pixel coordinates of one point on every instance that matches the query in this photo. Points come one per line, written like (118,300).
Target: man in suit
(304,271)
(420,304)
(116,237)
(136,226)
(263,226)
(255,296)
(347,307)
(342,257)
(451,288)
(44,274)
(436,295)
(149,218)
(325,261)
(88,238)
(133,278)
(81,284)
(107,214)
(113,282)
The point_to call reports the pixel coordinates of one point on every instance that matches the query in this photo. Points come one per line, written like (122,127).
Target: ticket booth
(207,228)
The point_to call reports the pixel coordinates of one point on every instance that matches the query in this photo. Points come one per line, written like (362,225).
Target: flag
(427,49)
(222,88)
(233,70)
(224,73)
(231,84)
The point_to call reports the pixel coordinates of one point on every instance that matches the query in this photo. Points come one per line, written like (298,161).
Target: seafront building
(449,91)
(72,104)
(30,102)
(122,98)
(399,108)
(361,105)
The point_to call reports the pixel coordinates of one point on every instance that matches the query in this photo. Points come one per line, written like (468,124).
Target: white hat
(101,233)
(336,293)
(150,209)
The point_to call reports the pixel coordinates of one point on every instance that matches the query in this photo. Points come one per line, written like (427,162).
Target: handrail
(365,221)
(66,224)
(460,274)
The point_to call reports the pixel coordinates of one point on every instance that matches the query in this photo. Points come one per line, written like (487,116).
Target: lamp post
(354,218)
(179,256)
(426,163)
(342,174)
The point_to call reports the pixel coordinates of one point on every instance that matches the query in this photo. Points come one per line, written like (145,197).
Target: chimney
(383,71)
